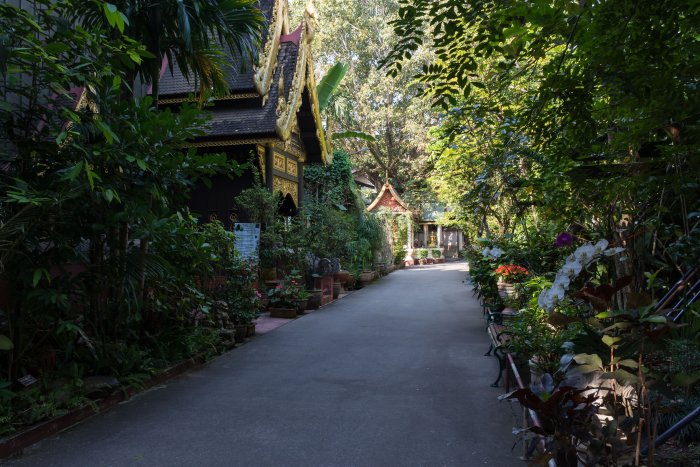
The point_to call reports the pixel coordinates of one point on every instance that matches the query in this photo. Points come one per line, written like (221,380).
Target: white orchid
(585,254)
(571,269)
(601,246)
(575,263)
(492,253)
(546,301)
(613,251)
(562,280)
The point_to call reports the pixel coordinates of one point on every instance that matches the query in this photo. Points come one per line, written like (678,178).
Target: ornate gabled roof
(246,77)
(254,122)
(388,198)
(271,100)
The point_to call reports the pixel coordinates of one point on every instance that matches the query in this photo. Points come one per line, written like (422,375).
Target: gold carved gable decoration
(287,187)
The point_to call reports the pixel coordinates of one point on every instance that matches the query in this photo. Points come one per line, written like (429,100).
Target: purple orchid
(564,239)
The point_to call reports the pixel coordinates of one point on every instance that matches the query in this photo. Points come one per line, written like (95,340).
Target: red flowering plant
(512,273)
(288,292)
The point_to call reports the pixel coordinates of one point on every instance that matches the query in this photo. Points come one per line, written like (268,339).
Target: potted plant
(302,300)
(315,298)
(437,256)
(337,288)
(535,339)
(341,276)
(284,297)
(507,275)
(422,255)
(243,301)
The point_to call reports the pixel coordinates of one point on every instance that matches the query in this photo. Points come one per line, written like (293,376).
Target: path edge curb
(16,443)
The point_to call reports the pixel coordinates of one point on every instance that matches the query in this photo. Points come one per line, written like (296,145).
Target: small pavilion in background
(424,231)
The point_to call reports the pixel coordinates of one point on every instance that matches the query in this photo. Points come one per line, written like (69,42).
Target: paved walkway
(391,375)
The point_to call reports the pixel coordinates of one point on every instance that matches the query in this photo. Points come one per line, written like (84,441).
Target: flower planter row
(326,289)
(430,260)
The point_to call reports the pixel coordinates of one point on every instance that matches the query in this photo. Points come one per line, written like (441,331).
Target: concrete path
(391,375)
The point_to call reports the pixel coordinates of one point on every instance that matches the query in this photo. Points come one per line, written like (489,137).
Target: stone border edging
(18,442)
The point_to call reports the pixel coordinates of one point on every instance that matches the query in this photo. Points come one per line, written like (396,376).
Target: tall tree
(603,96)
(368,101)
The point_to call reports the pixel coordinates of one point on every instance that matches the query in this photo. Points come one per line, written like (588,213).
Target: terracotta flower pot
(287,313)
(250,330)
(341,276)
(337,287)
(241,332)
(350,283)
(315,299)
(366,277)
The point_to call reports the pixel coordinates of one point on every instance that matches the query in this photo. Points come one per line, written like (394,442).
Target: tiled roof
(233,121)
(239,79)
(238,76)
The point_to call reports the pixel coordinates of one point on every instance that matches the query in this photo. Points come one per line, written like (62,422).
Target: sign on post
(247,240)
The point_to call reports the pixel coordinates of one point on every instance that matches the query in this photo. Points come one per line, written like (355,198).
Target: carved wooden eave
(388,191)
(267,62)
(288,104)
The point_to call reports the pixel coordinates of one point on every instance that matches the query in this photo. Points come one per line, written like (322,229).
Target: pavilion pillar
(439,236)
(426,233)
(408,259)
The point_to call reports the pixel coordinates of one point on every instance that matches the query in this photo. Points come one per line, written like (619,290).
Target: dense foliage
(338,224)
(103,272)
(579,117)
(377,119)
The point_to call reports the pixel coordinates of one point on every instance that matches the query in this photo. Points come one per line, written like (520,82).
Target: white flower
(557,292)
(545,301)
(571,269)
(584,254)
(613,251)
(492,253)
(601,246)
(562,280)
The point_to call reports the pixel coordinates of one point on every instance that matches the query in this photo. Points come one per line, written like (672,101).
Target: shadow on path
(391,375)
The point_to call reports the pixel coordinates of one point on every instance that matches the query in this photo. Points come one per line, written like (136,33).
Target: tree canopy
(368,101)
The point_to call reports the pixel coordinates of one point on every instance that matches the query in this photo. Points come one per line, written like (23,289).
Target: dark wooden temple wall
(217,201)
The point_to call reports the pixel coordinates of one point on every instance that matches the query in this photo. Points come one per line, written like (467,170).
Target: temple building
(270,117)
(424,231)
(431,234)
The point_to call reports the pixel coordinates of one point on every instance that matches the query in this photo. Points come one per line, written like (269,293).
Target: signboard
(247,240)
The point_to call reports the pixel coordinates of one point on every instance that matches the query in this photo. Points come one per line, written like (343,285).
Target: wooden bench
(498,335)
